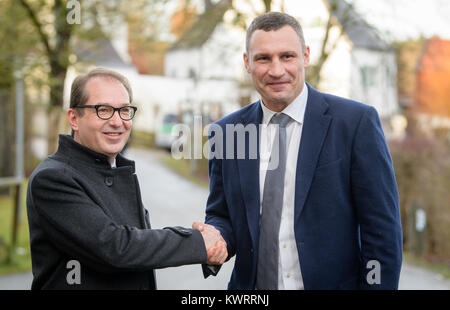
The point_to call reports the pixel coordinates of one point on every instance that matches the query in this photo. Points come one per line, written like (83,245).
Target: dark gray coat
(79,208)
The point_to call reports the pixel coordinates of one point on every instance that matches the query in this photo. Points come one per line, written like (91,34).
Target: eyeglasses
(105,111)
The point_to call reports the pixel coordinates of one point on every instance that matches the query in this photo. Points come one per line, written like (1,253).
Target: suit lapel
(249,175)
(314,131)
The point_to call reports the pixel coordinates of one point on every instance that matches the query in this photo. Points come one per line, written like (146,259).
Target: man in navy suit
(338,223)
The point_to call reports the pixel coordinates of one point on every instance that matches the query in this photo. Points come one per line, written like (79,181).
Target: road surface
(174,201)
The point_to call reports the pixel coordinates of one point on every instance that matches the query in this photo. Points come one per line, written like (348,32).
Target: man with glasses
(88,226)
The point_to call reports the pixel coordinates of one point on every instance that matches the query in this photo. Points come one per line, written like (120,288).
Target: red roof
(433,78)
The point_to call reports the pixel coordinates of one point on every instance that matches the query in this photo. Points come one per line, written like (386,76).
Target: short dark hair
(274,21)
(78,94)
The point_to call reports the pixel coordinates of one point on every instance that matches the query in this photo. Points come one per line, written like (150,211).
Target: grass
(142,139)
(20,259)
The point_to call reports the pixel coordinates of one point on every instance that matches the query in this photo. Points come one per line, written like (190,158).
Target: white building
(204,70)
(361,66)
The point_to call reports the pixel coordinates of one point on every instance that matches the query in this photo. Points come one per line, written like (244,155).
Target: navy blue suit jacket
(346,199)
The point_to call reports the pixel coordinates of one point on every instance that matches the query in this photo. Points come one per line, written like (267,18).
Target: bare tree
(57,54)
(56,37)
(335,8)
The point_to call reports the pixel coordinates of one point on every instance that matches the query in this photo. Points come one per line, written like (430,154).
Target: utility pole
(19,125)
(19,173)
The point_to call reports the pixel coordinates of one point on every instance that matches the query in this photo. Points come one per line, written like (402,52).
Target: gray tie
(268,253)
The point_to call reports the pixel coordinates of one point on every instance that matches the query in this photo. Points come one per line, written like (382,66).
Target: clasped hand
(216,247)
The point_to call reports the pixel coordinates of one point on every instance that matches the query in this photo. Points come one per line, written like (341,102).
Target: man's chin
(112,150)
(278,100)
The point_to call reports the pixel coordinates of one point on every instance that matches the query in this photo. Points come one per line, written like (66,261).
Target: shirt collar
(296,110)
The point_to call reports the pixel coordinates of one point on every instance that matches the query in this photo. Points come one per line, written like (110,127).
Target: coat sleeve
(375,195)
(217,211)
(77,226)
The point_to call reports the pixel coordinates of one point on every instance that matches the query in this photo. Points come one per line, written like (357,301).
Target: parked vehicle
(164,135)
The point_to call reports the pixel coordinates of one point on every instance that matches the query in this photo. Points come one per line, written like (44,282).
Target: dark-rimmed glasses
(105,111)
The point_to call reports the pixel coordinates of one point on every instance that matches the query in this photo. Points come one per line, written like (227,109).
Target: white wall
(179,63)
(336,71)
(170,95)
(220,57)
(381,91)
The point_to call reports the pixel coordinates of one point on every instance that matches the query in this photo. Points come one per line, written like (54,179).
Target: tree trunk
(7,145)
(268,5)
(58,59)
(59,62)
(56,126)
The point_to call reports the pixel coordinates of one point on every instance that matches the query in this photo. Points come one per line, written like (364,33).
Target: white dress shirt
(289,273)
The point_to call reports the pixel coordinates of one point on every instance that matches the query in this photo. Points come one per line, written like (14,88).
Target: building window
(368,75)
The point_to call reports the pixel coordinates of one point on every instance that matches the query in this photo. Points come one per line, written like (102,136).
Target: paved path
(171,200)
(416,278)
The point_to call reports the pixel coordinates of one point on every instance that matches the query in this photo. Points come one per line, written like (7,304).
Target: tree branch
(38,25)
(62,28)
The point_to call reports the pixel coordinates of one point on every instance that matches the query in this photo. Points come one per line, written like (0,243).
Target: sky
(395,19)
(403,19)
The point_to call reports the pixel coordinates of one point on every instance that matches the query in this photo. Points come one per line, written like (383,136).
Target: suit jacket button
(109,181)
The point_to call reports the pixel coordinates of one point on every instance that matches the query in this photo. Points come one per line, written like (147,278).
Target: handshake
(216,247)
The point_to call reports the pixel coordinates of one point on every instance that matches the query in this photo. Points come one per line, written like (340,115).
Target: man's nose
(115,120)
(276,68)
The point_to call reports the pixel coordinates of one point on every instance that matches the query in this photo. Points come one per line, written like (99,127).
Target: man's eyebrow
(261,55)
(280,53)
(121,104)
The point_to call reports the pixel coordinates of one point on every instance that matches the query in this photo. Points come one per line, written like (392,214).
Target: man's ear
(72,117)
(246,62)
(306,58)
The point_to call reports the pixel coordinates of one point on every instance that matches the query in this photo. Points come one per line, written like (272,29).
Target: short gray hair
(274,21)
(79,95)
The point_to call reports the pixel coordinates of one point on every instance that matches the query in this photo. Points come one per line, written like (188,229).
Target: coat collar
(71,150)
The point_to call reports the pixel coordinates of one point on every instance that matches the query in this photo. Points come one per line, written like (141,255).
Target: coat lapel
(249,175)
(315,128)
